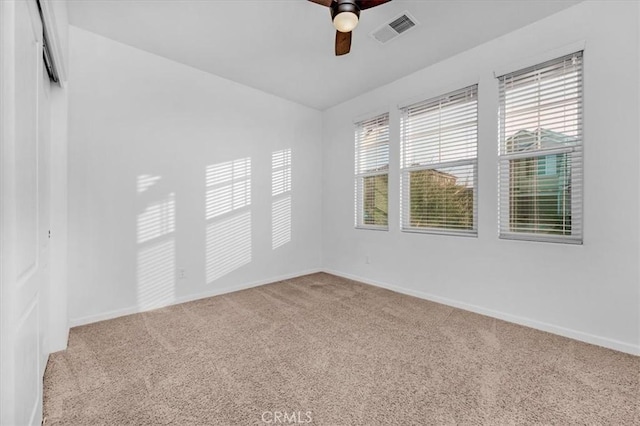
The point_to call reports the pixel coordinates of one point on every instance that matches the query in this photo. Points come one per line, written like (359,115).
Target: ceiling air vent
(394,28)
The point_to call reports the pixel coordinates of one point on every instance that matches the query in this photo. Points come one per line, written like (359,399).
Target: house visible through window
(540,174)
(439,164)
(372,172)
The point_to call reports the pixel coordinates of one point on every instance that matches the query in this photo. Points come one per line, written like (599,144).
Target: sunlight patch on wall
(281,222)
(228,186)
(156,274)
(281,204)
(155,230)
(146,181)
(228,215)
(280,172)
(228,245)
(158,219)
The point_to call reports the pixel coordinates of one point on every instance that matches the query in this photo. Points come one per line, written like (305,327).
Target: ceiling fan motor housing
(340,6)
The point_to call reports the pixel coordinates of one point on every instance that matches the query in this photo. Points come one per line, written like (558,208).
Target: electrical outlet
(182,273)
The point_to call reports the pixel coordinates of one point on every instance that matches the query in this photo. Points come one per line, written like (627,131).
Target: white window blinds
(540,165)
(372,172)
(439,144)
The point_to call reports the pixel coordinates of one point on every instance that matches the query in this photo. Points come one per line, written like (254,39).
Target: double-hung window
(439,150)
(540,149)
(372,172)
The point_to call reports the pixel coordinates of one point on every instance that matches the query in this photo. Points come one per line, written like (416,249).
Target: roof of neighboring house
(539,139)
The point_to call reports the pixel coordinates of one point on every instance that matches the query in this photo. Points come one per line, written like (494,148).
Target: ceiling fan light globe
(345,21)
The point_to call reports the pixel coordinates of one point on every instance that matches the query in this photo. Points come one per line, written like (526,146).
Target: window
(372,173)
(439,164)
(540,171)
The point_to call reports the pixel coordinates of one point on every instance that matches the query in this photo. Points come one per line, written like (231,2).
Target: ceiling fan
(345,15)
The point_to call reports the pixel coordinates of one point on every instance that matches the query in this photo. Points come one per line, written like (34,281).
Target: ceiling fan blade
(322,2)
(368,4)
(343,43)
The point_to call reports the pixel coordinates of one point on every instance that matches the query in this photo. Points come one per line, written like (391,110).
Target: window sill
(436,231)
(372,228)
(540,238)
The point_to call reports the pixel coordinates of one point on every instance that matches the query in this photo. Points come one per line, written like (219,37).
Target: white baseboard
(527,322)
(183,299)
(59,340)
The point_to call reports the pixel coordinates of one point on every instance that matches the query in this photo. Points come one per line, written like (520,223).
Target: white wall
(134,114)
(590,292)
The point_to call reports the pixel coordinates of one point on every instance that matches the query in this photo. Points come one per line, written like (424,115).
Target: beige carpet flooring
(335,352)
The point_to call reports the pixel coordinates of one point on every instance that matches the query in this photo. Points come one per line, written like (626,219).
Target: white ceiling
(285,47)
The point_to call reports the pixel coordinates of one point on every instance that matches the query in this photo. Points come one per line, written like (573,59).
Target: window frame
(359,177)
(405,172)
(574,152)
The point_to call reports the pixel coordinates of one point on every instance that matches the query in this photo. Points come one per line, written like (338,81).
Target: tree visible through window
(439,163)
(376,200)
(437,200)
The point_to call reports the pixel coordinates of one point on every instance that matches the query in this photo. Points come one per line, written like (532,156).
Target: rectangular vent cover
(394,28)
(402,24)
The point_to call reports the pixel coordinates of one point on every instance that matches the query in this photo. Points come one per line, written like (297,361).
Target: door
(24,226)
